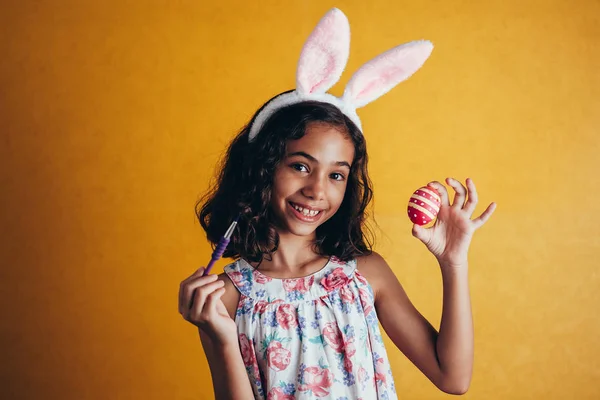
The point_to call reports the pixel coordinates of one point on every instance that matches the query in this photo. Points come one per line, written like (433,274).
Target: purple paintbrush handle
(217,254)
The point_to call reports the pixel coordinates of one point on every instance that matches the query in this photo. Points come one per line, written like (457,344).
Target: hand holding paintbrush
(200,299)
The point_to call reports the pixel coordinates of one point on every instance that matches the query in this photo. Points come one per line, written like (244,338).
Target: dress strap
(241,276)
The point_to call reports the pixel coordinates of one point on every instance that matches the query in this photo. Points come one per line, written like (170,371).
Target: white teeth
(306,211)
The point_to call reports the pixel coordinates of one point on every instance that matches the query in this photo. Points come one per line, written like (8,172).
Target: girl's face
(310,181)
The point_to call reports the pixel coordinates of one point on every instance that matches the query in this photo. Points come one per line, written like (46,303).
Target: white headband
(322,61)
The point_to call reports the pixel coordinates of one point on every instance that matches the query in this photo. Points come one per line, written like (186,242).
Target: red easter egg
(424,205)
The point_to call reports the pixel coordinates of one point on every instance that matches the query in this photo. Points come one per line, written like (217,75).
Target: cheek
(281,191)
(337,196)
(287,183)
(280,184)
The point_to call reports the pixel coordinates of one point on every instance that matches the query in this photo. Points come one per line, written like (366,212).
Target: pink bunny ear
(324,54)
(381,74)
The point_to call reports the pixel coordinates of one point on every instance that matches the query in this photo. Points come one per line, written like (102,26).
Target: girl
(297,315)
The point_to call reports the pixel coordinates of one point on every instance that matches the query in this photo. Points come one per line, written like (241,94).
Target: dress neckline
(268,277)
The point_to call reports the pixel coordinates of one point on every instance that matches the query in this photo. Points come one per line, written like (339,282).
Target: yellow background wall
(113,114)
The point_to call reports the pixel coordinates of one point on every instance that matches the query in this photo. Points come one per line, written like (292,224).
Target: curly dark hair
(243,188)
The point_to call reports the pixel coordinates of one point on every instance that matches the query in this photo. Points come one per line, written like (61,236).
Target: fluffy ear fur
(381,74)
(322,61)
(324,55)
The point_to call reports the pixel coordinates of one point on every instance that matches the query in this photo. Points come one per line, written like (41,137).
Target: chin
(301,230)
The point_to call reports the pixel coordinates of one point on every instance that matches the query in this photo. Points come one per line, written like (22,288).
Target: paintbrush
(220,249)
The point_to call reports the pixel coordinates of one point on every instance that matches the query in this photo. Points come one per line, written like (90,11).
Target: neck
(294,257)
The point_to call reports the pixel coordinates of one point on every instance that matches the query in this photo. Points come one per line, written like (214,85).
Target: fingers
(472,197)
(210,306)
(460,193)
(198,299)
(189,285)
(423,234)
(441,189)
(197,273)
(482,219)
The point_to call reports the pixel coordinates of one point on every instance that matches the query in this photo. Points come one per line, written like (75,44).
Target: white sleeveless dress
(315,337)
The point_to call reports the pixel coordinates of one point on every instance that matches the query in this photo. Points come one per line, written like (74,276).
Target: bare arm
(446,359)
(210,303)
(229,376)
(455,346)
(227,369)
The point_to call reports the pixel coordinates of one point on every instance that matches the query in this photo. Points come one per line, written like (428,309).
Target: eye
(299,167)
(337,176)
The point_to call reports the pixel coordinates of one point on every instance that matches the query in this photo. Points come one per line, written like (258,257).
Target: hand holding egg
(449,238)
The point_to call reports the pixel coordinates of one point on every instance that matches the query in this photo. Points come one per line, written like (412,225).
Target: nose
(315,187)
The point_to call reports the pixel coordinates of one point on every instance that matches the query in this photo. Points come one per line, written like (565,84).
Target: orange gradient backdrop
(114,113)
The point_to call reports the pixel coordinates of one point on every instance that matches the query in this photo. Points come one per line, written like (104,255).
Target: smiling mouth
(305,213)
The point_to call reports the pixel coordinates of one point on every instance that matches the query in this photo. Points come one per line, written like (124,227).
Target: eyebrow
(306,155)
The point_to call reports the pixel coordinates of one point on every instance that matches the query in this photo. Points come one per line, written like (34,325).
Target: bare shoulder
(376,271)
(370,261)
(231,297)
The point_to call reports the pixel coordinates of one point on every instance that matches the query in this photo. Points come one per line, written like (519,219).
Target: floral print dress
(315,337)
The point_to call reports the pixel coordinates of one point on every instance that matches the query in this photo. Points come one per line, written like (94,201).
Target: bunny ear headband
(323,60)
